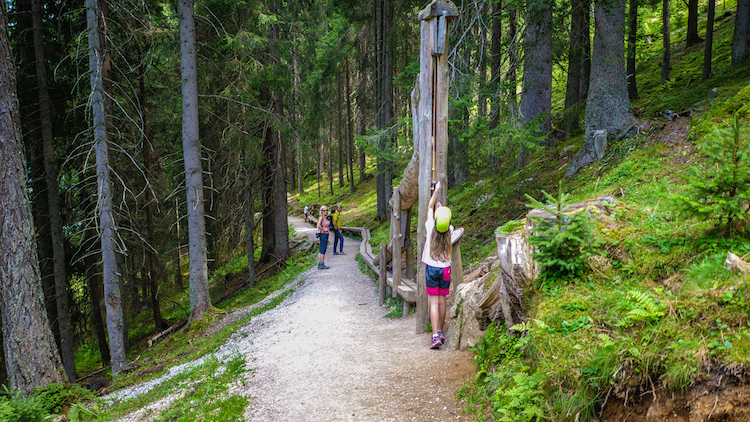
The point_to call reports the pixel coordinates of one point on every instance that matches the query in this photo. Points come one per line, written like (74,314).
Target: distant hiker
(324,226)
(337,236)
(306,211)
(437,258)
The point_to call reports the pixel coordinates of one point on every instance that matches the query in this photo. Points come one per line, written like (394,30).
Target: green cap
(442,219)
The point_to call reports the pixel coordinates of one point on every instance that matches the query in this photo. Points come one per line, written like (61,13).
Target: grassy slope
(659,311)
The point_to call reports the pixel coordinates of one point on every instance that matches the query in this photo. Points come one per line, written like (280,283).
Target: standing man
(337,230)
(306,211)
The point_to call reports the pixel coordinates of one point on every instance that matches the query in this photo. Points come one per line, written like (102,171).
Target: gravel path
(328,354)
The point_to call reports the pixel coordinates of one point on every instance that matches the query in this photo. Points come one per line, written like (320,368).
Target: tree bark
(107,228)
(578,31)
(496,57)
(53,198)
(665,32)
(536,94)
(179,287)
(200,302)
(692,37)
(384,104)
(708,46)
(329,157)
(608,105)
(298,144)
(583,89)
(349,131)
(632,35)
(279,158)
(268,248)
(249,221)
(153,274)
(482,66)
(32,137)
(339,129)
(31,357)
(282,223)
(741,37)
(515,47)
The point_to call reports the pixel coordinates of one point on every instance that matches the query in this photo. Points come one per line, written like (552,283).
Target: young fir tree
(564,240)
(719,190)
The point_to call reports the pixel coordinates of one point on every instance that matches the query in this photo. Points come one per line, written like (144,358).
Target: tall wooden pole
(432,113)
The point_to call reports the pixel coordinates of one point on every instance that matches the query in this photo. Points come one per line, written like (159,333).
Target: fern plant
(720,190)
(565,241)
(643,308)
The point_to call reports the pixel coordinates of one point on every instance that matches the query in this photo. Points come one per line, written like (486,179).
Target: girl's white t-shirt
(429,225)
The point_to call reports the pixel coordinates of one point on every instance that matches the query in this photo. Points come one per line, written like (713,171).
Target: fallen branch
(165,332)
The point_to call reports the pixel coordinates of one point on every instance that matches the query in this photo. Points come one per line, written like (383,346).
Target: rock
(464,329)
(734,263)
(712,95)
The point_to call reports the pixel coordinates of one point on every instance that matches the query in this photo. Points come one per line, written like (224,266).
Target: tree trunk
(268,248)
(53,198)
(708,46)
(339,129)
(349,133)
(153,276)
(329,157)
(608,105)
(513,53)
(692,37)
(282,223)
(741,37)
(179,287)
(249,221)
(31,358)
(32,135)
(384,105)
(200,302)
(665,32)
(94,283)
(496,57)
(573,103)
(298,145)
(319,151)
(583,89)
(536,94)
(632,34)
(107,228)
(361,127)
(482,65)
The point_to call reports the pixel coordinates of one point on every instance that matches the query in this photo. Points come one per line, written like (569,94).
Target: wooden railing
(399,284)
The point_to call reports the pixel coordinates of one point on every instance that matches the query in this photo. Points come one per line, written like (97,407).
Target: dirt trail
(328,354)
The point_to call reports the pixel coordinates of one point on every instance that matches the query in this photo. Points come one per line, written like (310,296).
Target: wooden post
(396,241)
(383,275)
(433,124)
(410,249)
(457,267)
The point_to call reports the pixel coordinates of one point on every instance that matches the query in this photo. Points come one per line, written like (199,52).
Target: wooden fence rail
(403,286)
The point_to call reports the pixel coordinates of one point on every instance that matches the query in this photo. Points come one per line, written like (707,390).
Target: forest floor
(328,353)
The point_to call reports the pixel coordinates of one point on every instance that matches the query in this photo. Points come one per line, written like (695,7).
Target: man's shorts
(438,280)
(323,243)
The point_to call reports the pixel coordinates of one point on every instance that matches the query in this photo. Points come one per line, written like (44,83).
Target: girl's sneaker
(436,342)
(441,336)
